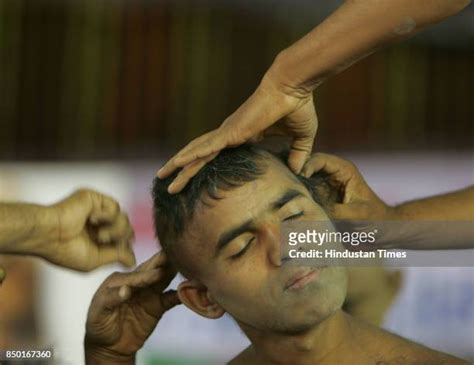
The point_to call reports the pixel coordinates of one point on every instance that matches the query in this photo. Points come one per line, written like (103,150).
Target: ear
(196,297)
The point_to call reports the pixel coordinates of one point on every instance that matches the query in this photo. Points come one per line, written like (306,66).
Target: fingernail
(160,171)
(171,188)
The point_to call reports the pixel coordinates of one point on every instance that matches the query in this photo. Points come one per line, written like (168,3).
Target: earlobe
(196,297)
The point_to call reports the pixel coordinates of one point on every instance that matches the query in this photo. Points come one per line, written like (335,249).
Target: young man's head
(223,234)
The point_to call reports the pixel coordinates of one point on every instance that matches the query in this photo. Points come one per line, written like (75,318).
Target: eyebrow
(233,233)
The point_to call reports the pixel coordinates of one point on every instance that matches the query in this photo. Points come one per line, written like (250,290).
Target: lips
(301,278)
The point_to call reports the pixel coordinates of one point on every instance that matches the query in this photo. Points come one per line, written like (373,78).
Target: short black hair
(233,167)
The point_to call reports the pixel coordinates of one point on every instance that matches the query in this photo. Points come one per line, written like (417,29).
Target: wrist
(290,71)
(46,231)
(279,78)
(392,213)
(278,96)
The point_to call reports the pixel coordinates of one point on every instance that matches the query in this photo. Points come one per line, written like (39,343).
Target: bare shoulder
(246,357)
(392,349)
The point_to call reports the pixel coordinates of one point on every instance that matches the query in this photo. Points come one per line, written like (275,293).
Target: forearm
(354,30)
(440,222)
(24,227)
(453,206)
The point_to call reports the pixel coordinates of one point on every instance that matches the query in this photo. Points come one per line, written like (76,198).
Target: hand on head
(272,109)
(359,202)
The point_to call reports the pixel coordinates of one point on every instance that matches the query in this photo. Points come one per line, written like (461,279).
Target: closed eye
(294,216)
(241,252)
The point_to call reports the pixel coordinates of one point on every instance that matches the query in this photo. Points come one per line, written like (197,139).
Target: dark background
(114,79)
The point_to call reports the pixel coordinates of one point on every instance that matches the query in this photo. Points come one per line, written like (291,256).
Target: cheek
(238,286)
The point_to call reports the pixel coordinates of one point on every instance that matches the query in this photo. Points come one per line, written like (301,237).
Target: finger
(112,297)
(316,163)
(187,173)
(325,162)
(117,230)
(124,285)
(171,165)
(296,159)
(157,260)
(157,279)
(105,209)
(135,279)
(126,253)
(169,299)
(121,253)
(160,261)
(300,151)
(215,142)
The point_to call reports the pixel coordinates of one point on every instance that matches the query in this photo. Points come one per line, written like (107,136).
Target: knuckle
(82,193)
(346,163)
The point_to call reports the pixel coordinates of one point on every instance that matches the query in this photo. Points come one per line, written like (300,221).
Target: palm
(127,306)
(130,324)
(79,252)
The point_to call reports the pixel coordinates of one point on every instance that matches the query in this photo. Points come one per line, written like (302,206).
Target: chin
(302,317)
(304,324)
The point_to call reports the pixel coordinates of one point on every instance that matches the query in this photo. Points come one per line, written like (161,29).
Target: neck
(309,347)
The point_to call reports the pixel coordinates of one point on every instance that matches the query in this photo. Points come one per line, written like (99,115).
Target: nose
(271,238)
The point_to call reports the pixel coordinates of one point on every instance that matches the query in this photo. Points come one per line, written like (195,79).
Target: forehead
(237,205)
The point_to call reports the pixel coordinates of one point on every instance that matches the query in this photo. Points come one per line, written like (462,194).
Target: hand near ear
(273,109)
(126,309)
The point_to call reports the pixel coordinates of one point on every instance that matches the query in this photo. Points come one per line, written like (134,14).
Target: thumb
(121,253)
(300,150)
(126,256)
(169,299)
(297,158)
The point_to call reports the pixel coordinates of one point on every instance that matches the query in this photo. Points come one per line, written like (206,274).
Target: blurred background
(99,93)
